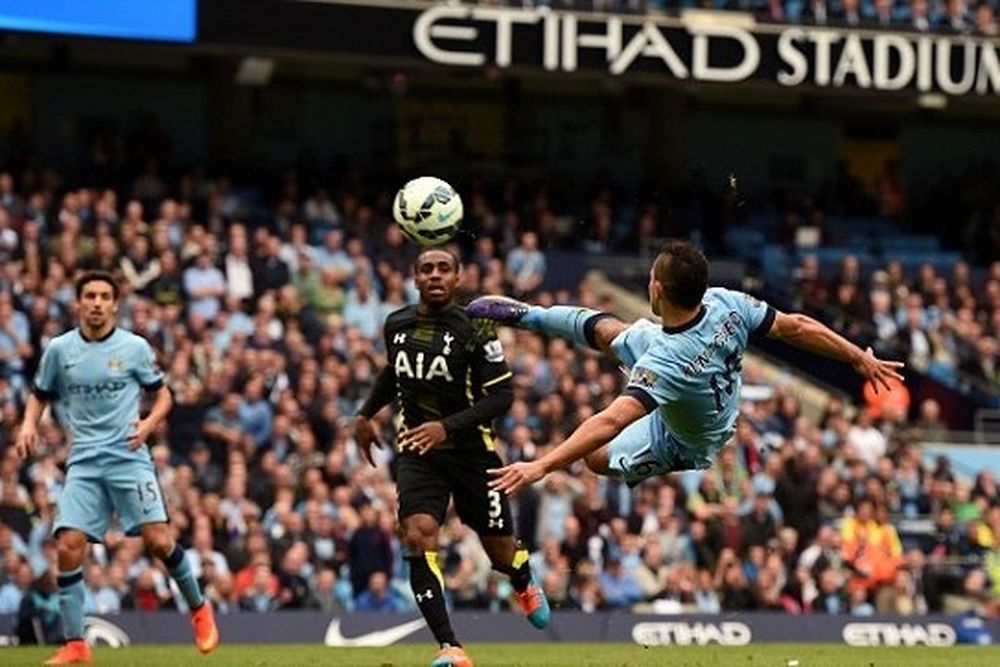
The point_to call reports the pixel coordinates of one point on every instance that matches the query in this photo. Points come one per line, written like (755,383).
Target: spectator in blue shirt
(363,310)
(255,413)
(526,265)
(15,589)
(378,597)
(99,598)
(329,594)
(223,427)
(620,587)
(205,286)
(15,341)
(831,598)
(259,597)
(333,256)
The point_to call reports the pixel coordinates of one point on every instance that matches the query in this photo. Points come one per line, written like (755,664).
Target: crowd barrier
(377,630)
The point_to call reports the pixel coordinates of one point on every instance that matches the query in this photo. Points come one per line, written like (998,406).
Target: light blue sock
(569,322)
(71,595)
(181,572)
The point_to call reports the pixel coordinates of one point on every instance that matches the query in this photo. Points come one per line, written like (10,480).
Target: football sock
(574,323)
(181,572)
(519,570)
(71,595)
(428,588)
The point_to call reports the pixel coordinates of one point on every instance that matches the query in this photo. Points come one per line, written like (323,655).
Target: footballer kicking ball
(428,210)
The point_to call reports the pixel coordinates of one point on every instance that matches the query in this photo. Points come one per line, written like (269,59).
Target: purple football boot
(500,309)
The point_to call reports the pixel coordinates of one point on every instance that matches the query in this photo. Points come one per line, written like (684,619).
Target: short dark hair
(454,258)
(682,271)
(97,276)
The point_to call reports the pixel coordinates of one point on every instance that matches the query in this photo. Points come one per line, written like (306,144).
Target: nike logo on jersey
(376,639)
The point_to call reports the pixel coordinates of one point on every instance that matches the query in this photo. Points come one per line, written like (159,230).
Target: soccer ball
(428,211)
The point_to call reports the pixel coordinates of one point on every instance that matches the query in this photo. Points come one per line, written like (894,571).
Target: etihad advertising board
(375,630)
(724,49)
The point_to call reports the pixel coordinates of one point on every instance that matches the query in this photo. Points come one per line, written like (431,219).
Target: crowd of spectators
(943,325)
(956,16)
(268,329)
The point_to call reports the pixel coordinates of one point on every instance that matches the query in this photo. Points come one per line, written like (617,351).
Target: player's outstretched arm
(27,436)
(592,434)
(382,394)
(806,333)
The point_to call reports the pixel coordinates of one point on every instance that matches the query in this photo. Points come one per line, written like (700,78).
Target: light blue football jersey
(96,387)
(692,374)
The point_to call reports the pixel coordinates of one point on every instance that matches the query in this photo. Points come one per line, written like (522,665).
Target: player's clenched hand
(516,476)
(877,371)
(423,438)
(27,438)
(365,436)
(141,430)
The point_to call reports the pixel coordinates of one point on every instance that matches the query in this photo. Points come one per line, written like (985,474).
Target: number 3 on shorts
(495,508)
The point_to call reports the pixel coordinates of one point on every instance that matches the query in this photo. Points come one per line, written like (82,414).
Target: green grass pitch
(531,655)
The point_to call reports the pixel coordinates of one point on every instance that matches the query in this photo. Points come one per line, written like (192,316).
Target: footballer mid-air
(681,401)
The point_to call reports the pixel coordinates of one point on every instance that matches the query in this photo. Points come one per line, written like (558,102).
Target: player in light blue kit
(96,374)
(682,398)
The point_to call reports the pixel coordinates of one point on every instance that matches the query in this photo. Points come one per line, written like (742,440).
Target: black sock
(428,587)
(519,570)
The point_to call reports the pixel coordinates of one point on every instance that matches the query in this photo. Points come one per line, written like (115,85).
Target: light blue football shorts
(645,448)
(96,489)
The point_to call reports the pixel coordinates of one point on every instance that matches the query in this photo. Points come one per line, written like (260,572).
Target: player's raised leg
(488,513)
(510,557)
(585,327)
(136,495)
(159,541)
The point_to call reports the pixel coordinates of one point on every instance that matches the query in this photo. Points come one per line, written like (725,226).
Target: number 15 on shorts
(149,495)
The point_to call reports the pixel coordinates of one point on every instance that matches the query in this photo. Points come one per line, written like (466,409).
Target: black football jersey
(443,362)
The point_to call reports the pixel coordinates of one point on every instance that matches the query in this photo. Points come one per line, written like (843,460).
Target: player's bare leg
(606,329)
(585,327)
(160,542)
(419,534)
(599,461)
(72,547)
(511,558)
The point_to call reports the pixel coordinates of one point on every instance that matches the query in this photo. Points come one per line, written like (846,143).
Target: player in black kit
(451,381)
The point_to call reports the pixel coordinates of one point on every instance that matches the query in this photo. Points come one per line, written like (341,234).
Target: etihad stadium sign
(709,47)
(724,48)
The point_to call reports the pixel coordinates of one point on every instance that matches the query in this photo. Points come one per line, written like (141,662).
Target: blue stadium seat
(909,243)
(843,228)
(941,260)
(744,242)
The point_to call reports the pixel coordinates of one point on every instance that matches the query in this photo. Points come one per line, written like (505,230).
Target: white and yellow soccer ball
(428,210)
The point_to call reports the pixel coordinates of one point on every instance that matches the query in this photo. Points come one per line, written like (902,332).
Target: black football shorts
(425,484)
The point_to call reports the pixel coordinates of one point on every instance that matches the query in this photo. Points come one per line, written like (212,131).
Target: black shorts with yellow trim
(425,485)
